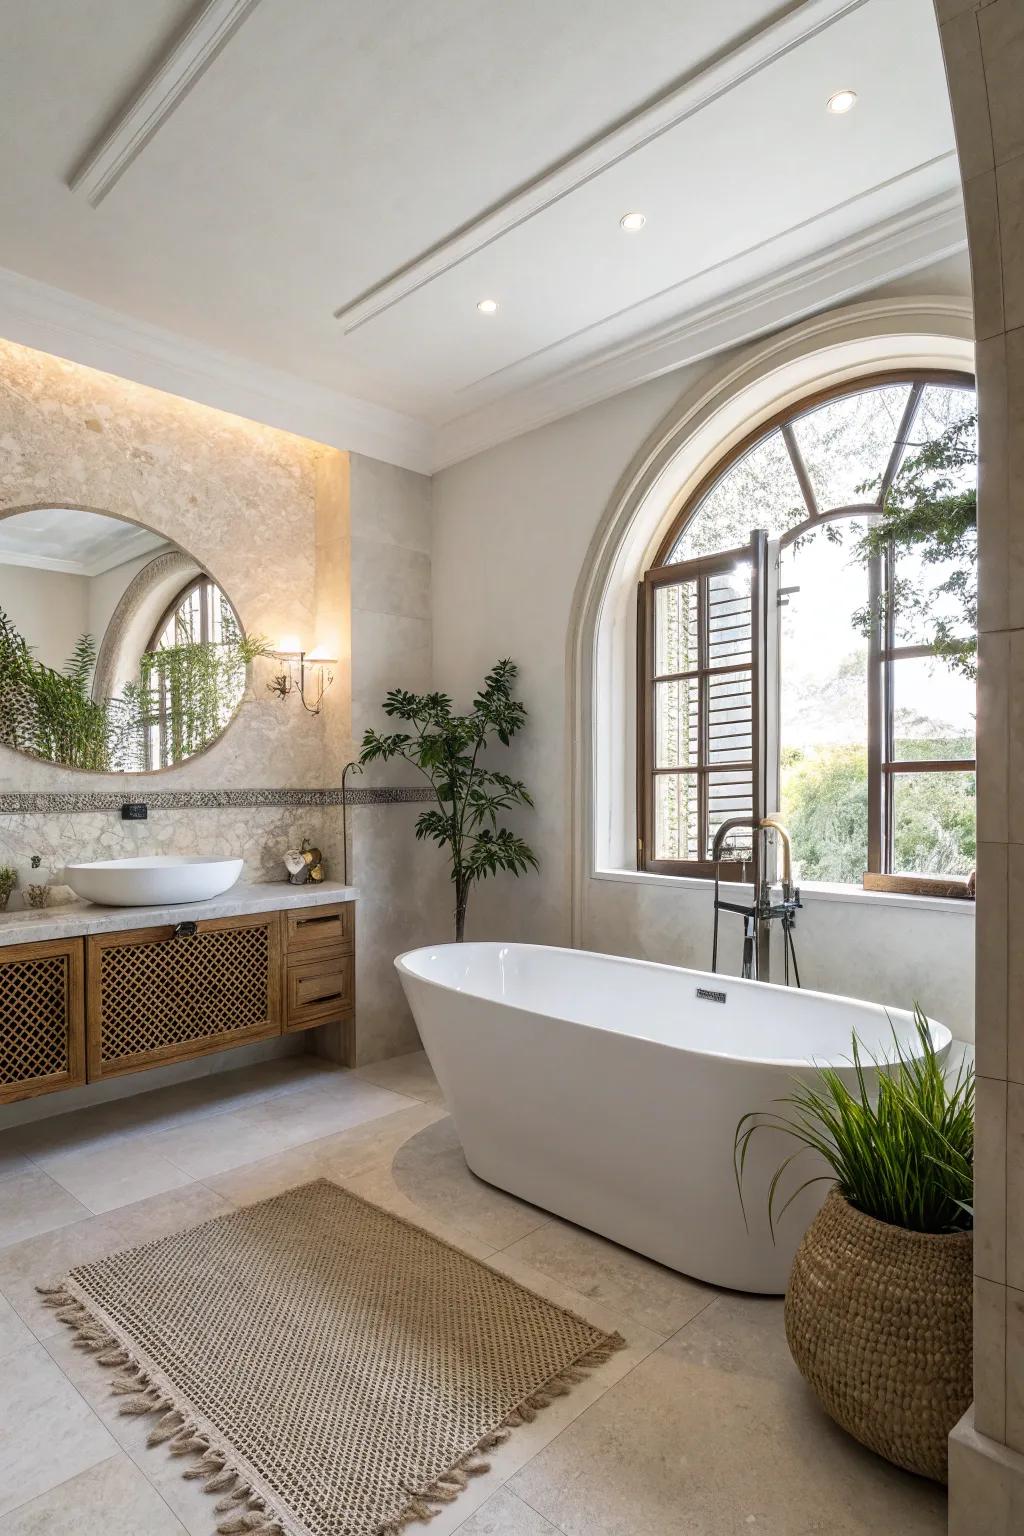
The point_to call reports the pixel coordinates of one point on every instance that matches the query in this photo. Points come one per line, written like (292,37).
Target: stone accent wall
(983,44)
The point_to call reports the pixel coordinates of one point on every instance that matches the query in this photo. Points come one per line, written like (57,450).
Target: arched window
(783,669)
(194,676)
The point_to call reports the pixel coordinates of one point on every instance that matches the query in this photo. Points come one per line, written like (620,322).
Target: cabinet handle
(304,922)
(326,997)
(186,930)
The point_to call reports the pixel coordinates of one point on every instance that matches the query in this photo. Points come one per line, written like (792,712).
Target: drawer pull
(326,997)
(186,930)
(304,922)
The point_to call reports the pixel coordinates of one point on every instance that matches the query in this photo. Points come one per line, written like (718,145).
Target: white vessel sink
(161,881)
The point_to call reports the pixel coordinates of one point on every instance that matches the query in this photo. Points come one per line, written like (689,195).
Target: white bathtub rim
(941,1033)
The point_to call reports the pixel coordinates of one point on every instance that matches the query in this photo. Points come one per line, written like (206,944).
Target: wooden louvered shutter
(701,750)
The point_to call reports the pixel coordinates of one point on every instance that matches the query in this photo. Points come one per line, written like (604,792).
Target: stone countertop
(79,917)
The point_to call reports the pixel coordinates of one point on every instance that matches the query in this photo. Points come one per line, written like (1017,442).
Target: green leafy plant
(190,690)
(448,749)
(8,880)
(930,510)
(901,1150)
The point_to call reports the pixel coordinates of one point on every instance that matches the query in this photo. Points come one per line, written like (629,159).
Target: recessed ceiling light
(487,306)
(842,101)
(631,222)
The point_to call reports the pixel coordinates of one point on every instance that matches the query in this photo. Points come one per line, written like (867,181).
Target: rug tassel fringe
(422,1503)
(246,1512)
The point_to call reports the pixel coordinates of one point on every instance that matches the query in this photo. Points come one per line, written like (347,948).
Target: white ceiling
(343,181)
(75,542)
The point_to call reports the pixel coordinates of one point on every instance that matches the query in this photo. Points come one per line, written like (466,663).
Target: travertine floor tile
(411,1075)
(216,1143)
(113,1498)
(31,1202)
(13,1332)
(48,1257)
(346,1154)
(714,1434)
(502,1515)
(658,1298)
(117,1173)
(48,1433)
(430,1170)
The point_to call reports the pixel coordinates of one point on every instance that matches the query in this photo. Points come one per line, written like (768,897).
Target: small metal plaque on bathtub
(709,995)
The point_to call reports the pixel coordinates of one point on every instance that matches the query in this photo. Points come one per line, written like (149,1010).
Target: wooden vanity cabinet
(320,969)
(42,1018)
(157,995)
(79,1009)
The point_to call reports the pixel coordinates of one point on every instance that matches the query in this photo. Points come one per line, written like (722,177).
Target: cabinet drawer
(315,927)
(168,994)
(319,989)
(42,1018)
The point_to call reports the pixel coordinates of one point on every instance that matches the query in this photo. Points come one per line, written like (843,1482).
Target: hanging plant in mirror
(166,675)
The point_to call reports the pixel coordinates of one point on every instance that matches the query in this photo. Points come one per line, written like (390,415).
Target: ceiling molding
(696,92)
(178,71)
(61,323)
(853,266)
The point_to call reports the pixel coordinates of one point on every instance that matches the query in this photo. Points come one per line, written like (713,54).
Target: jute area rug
(327,1368)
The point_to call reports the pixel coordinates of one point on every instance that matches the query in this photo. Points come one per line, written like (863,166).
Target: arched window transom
(783,670)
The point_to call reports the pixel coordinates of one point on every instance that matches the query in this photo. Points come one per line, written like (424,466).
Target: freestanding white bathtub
(608,1091)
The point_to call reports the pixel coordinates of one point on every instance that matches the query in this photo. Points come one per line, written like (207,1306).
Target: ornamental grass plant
(900,1147)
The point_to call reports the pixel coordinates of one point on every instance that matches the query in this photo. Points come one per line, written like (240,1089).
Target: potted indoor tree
(878,1306)
(449,750)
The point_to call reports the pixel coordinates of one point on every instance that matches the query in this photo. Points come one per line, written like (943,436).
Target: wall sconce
(308,675)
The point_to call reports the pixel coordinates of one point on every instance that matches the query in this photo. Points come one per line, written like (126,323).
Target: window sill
(810,893)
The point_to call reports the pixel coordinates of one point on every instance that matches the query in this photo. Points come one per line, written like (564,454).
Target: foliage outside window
(190,682)
(859,628)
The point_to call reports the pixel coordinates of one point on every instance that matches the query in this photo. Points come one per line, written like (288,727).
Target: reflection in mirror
(118,653)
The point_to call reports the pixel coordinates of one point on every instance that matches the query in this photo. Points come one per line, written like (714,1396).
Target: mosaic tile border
(56,803)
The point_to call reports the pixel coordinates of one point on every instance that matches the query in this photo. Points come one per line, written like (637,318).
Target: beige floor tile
(112,1498)
(14,1334)
(339,1104)
(12,1157)
(502,1515)
(191,1505)
(528,1441)
(412,1075)
(347,1154)
(430,1170)
(213,1144)
(48,1257)
(658,1298)
(48,1433)
(32,1202)
(118,1173)
(715,1434)
(379,1187)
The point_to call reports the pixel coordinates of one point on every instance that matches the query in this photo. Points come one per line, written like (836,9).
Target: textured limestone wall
(983,43)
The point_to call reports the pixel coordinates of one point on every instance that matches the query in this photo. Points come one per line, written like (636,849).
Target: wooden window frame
(701,570)
(883,653)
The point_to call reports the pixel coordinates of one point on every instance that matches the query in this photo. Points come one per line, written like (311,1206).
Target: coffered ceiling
(328,188)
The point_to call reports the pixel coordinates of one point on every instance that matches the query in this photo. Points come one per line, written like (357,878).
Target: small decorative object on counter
(37,895)
(305,864)
(8,880)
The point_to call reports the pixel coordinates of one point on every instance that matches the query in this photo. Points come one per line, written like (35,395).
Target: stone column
(983,44)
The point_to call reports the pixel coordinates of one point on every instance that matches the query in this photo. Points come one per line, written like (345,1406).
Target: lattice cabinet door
(167,994)
(42,1018)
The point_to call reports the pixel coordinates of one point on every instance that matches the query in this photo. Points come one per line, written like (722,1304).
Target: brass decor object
(321,1365)
(879,1321)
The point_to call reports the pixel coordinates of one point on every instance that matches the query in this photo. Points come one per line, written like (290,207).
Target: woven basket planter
(879,1322)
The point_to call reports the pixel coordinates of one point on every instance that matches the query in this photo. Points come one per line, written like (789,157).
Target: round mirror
(118,652)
